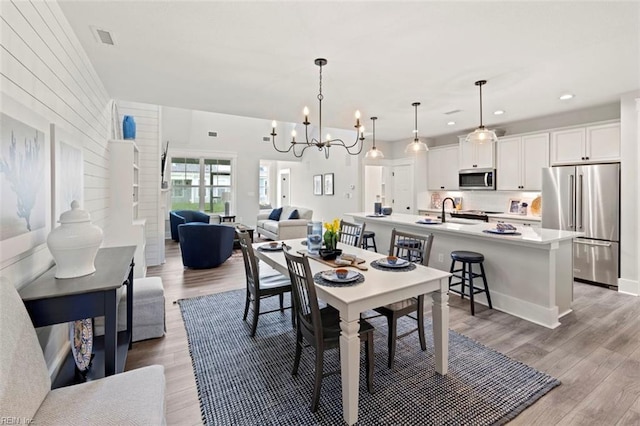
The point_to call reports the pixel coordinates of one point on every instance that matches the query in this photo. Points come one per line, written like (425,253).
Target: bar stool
(369,240)
(468,258)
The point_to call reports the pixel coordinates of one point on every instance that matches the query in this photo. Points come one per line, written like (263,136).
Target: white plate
(502,231)
(428,222)
(268,247)
(331,276)
(400,263)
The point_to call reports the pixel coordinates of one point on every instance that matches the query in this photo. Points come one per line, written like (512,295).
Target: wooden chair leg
(471,288)
(486,286)
(256,314)
(317,387)
(296,360)
(393,336)
(464,279)
(423,340)
(246,306)
(369,359)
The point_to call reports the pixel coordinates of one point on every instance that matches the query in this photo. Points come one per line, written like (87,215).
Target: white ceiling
(256,58)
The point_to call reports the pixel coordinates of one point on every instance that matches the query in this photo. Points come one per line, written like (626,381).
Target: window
(264,186)
(199,183)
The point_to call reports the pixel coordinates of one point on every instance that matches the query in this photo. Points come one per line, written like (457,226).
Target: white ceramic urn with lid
(74,244)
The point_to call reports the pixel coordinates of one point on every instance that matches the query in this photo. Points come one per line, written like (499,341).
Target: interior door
(402,189)
(373,190)
(284,187)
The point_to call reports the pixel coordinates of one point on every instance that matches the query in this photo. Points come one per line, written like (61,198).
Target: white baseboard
(59,359)
(546,317)
(628,286)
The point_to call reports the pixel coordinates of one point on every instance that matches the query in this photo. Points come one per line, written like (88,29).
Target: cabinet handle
(442,187)
(587,158)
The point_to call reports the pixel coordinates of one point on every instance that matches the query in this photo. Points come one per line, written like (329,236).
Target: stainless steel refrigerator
(586,199)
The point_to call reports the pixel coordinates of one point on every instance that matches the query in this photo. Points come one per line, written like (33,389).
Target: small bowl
(330,254)
(342,273)
(392,260)
(273,244)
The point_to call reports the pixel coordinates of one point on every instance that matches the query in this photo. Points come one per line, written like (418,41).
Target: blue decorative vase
(128,127)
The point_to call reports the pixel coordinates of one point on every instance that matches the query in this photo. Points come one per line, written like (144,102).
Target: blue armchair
(205,245)
(178,217)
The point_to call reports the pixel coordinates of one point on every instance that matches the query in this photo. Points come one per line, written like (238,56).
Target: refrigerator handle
(580,203)
(572,196)
(591,243)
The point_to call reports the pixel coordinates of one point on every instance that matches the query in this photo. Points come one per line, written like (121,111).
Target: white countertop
(494,215)
(528,234)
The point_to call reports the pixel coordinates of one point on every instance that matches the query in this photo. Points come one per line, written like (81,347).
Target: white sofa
(284,228)
(135,397)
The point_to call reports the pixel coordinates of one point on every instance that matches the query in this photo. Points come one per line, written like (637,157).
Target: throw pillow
(275,214)
(294,214)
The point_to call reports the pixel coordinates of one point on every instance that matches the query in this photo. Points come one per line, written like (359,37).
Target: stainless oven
(477,179)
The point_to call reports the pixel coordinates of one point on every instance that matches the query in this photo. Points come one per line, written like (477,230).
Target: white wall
(242,136)
(43,67)
(629,238)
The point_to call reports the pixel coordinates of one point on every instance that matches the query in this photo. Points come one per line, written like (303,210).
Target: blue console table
(50,300)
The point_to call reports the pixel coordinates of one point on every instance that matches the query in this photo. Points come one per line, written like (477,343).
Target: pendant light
(481,134)
(417,145)
(374,153)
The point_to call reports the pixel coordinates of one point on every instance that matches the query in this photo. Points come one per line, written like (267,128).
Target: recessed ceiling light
(498,112)
(451,123)
(566,96)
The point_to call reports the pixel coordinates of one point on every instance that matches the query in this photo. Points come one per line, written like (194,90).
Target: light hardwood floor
(595,352)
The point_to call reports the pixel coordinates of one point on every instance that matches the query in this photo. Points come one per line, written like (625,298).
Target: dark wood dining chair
(319,327)
(261,283)
(414,248)
(351,233)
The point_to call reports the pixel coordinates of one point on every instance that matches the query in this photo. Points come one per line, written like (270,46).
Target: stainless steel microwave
(477,179)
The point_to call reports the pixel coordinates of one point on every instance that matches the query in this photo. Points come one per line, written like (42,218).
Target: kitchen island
(530,275)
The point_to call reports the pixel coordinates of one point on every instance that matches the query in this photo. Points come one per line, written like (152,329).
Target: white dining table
(380,287)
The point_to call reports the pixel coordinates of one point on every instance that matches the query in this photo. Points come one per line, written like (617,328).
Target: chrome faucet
(453,203)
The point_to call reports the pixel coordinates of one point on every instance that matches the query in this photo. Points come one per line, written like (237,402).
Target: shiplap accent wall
(147,118)
(44,67)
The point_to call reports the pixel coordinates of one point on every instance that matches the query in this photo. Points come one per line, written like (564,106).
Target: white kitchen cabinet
(125,228)
(520,160)
(442,168)
(476,155)
(591,144)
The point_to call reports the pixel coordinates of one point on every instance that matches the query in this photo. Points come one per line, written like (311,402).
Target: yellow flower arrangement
(331,234)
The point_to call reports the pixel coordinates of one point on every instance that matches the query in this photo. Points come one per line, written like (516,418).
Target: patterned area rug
(247,381)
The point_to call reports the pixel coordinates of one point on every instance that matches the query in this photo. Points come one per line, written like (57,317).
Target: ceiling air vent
(266,139)
(105,37)
(453,111)
(213,134)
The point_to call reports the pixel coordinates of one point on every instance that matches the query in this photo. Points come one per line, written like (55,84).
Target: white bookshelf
(126,227)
